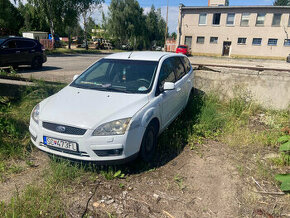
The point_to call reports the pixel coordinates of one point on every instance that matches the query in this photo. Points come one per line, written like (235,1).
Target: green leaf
(117,174)
(283,139)
(285,146)
(285,180)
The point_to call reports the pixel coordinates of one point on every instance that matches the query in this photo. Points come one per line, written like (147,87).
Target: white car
(115,110)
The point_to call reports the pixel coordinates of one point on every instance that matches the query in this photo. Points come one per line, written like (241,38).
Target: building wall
(189,26)
(269,89)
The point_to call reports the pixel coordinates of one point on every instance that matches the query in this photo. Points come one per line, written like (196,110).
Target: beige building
(235,30)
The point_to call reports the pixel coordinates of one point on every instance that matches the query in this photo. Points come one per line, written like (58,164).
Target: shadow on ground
(24,69)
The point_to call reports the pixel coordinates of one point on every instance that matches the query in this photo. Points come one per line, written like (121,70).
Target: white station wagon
(115,110)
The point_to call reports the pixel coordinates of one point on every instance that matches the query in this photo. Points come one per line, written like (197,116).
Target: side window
(186,64)
(11,44)
(166,72)
(25,44)
(178,68)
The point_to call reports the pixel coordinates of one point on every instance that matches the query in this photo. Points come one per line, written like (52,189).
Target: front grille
(63,128)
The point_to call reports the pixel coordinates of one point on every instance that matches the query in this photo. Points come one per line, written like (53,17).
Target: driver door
(168,98)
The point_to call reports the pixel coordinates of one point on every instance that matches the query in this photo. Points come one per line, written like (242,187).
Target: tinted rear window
(186,64)
(25,44)
(182,46)
(179,69)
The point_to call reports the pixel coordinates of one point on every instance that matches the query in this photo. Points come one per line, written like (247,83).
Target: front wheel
(149,143)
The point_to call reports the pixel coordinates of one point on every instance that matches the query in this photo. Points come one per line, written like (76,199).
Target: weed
(179,181)
(121,185)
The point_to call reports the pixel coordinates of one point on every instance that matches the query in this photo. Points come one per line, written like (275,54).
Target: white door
(168,98)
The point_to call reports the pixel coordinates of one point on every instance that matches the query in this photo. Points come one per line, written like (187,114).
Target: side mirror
(75,77)
(4,46)
(168,86)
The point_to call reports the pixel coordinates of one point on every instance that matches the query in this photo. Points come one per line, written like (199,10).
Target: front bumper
(90,146)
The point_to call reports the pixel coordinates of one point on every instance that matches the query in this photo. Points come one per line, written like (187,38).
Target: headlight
(35,113)
(116,127)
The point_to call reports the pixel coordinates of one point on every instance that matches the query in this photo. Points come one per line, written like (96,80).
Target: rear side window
(167,72)
(178,68)
(25,44)
(186,64)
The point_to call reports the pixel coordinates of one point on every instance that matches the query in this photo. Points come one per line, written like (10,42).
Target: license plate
(58,143)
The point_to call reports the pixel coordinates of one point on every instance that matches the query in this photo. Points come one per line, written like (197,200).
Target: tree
(173,35)
(52,10)
(86,8)
(152,26)
(282,3)
(10,19)
(33,19)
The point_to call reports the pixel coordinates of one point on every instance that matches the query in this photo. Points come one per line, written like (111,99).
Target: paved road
(61,68)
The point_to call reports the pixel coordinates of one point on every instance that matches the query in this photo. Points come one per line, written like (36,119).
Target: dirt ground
(203,182)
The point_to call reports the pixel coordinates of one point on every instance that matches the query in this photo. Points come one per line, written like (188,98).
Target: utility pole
(165,47)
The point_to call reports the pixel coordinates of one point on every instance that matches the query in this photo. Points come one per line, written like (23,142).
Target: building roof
(140,55)
(235,7)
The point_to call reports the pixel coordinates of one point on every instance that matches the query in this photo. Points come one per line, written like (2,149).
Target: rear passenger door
(181,84)
(26,50)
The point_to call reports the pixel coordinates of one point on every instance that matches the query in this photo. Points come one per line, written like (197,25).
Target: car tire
(37,63)
(149,143)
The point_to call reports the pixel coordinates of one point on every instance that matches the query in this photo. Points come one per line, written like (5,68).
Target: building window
(276,19)
(287,42)
(272,42)
(202,19)
(245,19)
(242,41)
(200,40)
(216,19)
(231,19)
(289,20)
(213,40)
(257,41)
(260,19)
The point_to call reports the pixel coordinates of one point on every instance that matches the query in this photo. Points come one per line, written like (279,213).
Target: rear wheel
(149,143)
(36,63)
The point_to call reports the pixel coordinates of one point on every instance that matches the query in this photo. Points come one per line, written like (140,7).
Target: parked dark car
(15,51)
(288,58)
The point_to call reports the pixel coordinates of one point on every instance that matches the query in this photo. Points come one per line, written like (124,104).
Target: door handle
(189,81)
(17,52)
(33,50)
(178,89)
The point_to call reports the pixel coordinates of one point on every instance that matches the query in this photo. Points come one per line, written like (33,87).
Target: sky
(173,8)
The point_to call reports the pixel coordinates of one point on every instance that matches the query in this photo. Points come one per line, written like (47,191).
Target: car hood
(86,108)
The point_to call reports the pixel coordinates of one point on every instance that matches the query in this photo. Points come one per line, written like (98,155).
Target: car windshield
(1,40)
(182,46)
(115,75)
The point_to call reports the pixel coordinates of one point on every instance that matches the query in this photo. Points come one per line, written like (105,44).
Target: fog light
(111,152)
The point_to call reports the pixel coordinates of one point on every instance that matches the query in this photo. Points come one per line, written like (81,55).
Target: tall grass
(14,119)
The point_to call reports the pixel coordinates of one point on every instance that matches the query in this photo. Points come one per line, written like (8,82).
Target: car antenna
(130,55)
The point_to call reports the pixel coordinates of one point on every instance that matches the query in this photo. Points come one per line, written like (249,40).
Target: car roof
(140,55)
(15,37)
